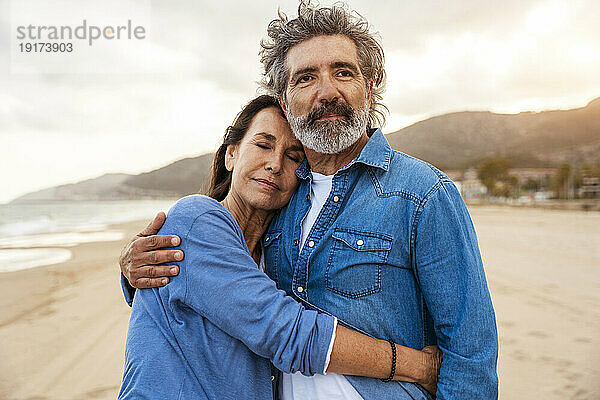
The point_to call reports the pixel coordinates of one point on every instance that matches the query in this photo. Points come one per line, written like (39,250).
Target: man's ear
(230,155)
(282,104)
(369,92)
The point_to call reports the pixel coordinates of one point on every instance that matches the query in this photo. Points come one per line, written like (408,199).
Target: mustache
(332,107)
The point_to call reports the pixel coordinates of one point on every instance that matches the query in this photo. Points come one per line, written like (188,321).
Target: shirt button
(311,244)
(296,242)
(360,242)
(272,377)
(307,197)
(267,239)
(300,289)
(336,199)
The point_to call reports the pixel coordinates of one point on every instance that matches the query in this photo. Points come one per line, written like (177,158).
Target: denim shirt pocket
(271,250)
(354,265)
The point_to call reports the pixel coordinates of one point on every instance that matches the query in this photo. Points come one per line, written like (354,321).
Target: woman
(211,332)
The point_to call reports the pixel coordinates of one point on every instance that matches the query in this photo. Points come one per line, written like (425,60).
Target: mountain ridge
(455,140)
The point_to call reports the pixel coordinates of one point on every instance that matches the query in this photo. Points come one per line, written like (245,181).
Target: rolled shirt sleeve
(128,290)
(328,358)
(222,283)
(451,276)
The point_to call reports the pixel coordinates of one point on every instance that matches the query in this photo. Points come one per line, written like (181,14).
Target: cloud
(539,60)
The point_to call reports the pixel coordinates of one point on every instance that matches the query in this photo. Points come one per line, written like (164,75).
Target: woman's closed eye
(297,158)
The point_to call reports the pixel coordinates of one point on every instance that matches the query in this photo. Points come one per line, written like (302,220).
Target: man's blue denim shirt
(393,254)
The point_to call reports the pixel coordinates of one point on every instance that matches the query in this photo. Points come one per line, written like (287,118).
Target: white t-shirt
(318,387)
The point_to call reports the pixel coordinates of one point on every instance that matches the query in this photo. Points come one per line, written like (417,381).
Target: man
(375,237)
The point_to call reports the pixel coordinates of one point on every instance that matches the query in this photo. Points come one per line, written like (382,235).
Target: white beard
(329,136)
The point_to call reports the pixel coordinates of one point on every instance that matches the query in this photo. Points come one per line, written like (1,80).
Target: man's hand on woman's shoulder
(141,260)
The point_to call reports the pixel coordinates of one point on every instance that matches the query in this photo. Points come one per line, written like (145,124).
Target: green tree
(532,185)
(562,181)
(493,173)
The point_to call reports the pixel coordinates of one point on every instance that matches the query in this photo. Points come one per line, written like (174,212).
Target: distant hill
(182,177)
(544,139)
(449,141)
(101,188)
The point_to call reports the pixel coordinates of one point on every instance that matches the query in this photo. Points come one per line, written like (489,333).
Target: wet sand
(63,327)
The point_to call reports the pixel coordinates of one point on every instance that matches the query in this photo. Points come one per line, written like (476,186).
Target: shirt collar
(303,171)
(377,153)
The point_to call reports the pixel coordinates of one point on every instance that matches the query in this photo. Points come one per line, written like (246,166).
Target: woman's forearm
(357,354)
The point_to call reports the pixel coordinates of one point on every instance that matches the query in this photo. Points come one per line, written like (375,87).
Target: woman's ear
(282,105)
(230,155)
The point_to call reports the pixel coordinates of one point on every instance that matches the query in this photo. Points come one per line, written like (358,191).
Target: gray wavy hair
(313,21)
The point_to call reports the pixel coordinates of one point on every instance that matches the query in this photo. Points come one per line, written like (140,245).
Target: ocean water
(39,233)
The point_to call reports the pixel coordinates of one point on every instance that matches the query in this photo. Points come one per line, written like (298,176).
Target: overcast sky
(133,107)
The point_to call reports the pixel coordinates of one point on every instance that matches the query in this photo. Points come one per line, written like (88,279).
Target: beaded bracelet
(393,372)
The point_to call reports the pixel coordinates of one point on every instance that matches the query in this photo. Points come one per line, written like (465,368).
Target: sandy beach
(63,326)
